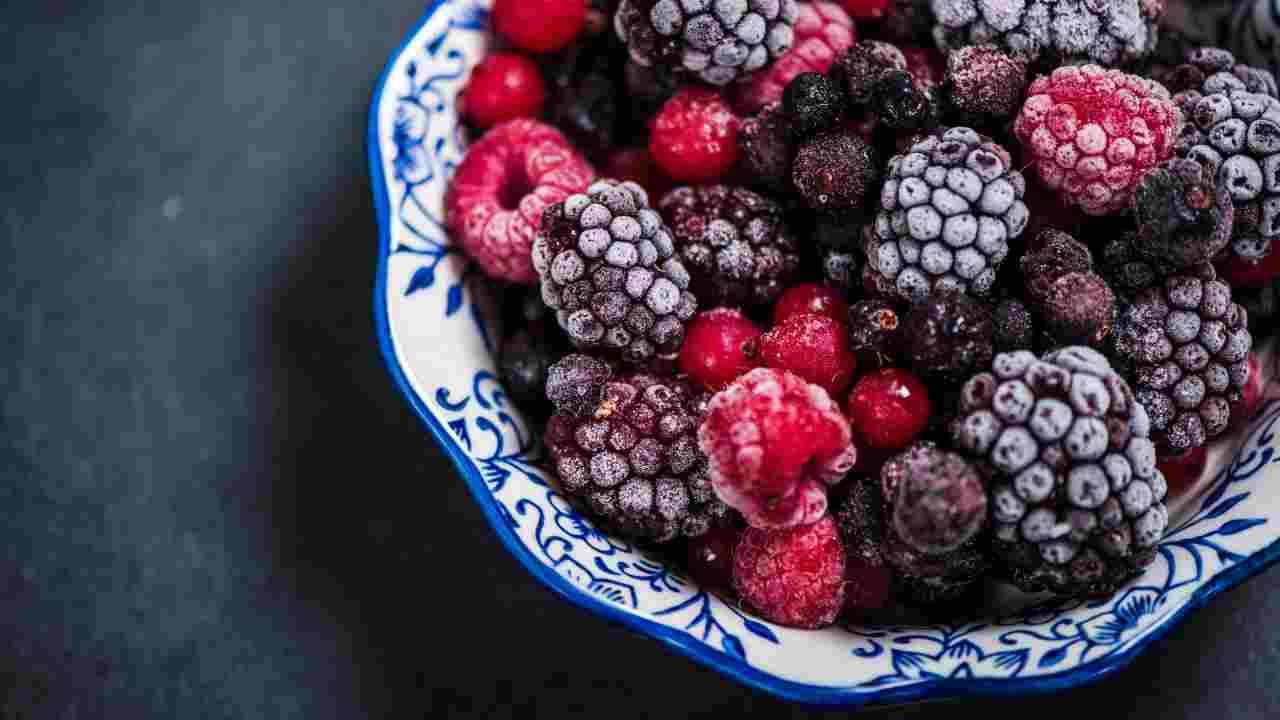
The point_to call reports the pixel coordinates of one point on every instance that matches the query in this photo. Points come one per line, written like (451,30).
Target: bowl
(437,329)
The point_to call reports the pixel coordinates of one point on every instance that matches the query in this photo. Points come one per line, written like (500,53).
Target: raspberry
(1076,499)
(710,556)
(1108,32)
(792,576)
(1182,471)
(835,170)
(734,242)
(1094,132)
(718,347)
(948,336)
(539,26)
(633,460)
(938,499)
(889,408)
(815,347)
(1188,343)
(766,149)
(810,298)
(717,42)
(608,268)
(948,211)
(498,193)
(503,86)
(695,137)
(823,32)
(985,82)
(775,442)
(813,101)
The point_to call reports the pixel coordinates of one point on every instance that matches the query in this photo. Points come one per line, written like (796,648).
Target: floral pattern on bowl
(436,329)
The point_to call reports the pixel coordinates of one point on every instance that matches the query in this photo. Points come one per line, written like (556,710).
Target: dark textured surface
(212,502)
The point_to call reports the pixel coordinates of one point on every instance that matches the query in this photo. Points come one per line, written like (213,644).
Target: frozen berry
(834,170)
(718,347)
(875,328)
(813,101)
(1182,471)
(900,103)
(1014,326)
(889,408)
(766,149)
(583,98)
(823,32)
(948,336)
(635,164)
(859,517)
(1241,271)
(1079,309)
(695,137)
(575,383)
(539,26)
(815,347)
(504,86)
(862,66)
(508,177)
(1054,254)
(938,499)
(1184,215)
(710,556)
(1094,132)
(866,9)
(775,443)
(984,81)
(811,298)
(792,576)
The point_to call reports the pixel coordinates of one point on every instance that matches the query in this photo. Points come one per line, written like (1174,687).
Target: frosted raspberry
(1093,133)
(823,32)
(792,576)
(507,179)
(775,443)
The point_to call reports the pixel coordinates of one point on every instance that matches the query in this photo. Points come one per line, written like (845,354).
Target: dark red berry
(695,136)
(889,408)
(811,298)
(710,557)
(1242,272)
(866,587)
(539,26)
(815,347)
(866,9)
(718,347)
(637,165)
(504,86)
(1182,472)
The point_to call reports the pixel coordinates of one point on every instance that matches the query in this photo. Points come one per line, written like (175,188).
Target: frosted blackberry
(608,268)
(859,70)
(1236,134)
(1075,497)
(1056,254)
(1188,345)
(936,498)
(734,243)
(717,41)
(948,210)
(1184,214)
(632,459)
(813,101)
(1209,70)
(1108,32)
(948,336)
(835,170)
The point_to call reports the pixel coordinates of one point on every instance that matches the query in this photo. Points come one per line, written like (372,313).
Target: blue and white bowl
(437,332)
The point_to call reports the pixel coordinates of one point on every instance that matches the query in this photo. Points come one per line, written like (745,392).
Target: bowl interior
(437,329)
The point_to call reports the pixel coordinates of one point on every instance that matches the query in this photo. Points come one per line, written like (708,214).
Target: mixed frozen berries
(806,326)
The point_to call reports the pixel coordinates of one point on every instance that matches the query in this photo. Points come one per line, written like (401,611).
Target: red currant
(695,136)
(811,298)
(539,26)
(504,86)
(889,408)
(718,347)
(815,347)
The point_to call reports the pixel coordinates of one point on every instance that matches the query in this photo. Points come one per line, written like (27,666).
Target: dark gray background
(212,501)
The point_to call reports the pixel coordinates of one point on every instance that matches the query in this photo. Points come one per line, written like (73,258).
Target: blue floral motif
(416,129)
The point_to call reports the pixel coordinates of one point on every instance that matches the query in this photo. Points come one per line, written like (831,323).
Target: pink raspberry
(1092,133)
(507,178)
(823,32)
(792,576)
(775,443)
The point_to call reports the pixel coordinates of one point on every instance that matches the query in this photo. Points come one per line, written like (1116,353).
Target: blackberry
(1183,213)
(1056,254)
(576,382)
(948,336)
(734,242)
(940,580)
(936,498)
(717,42)
(1127,271)
(632,459)
(859,70)
(948,210)
(1080,308)
(835,170)
(766,148)
(608,268)
(1108,32)
(813,102)
(1236,135)
(1188,344)
(900,103)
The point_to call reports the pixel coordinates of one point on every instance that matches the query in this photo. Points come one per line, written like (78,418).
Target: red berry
(815,347)
(710,556)
(793,576)
(889,408)
(866,9)
(718,347)
(866,587)
(1239,271)
(539,26)
(695,136)
(811,298)
(775,442)
(637,165)
(504,86)
(1182,472)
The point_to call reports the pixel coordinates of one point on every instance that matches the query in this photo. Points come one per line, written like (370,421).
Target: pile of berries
(856,318)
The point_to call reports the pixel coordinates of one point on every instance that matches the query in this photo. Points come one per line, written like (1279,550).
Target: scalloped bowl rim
(683,642)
